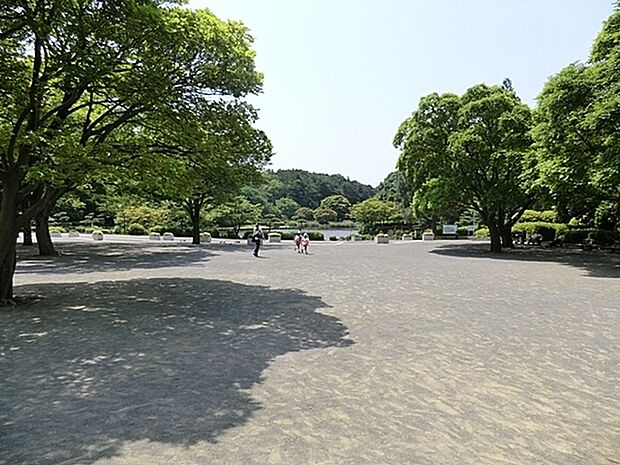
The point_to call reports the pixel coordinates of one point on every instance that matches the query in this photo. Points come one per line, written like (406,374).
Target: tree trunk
(496,241)
(27,232)
(44,240)
(193,207)
(8,237)
(196,230)
(506,234)
(7,270)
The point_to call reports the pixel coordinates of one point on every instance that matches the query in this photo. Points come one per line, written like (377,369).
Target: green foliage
(308,189)
(235,214)
(607,216)
(578,236)
(145,216)
(482,232)
(396,188)
(373,212)
(577,131)
(601,237)
(72,206)
(470,152)
(228,233)
(339,204)
(325,215)
(434,204)
(304,213)
(605,237)
(546,216)
(136,229)
(103,91)
(287,207)
(548,231)
(158,228)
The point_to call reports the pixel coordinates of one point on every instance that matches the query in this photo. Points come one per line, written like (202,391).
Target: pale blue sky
(341,75)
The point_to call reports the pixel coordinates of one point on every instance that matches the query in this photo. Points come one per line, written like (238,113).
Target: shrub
(548,231)
(158,229)
(136,229)
(462,231)
(548,216)
(231,234)
(605,237)
(482,232)
(607,216)
(316,236)
(57,229)
(535,216)
(599,236)
(577,236)
(575,223)
(325,215)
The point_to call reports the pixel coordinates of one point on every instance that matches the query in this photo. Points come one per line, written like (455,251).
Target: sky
(340,76)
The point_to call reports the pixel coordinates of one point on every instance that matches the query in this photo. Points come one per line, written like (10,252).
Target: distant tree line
(269,197)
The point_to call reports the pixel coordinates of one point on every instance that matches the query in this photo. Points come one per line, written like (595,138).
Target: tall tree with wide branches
(75,73)
(471,152)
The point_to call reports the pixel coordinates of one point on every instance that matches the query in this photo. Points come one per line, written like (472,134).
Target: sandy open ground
(359,353)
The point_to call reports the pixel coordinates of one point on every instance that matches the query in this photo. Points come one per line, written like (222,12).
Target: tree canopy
(82,81)
(471,152)
(373,212)
(577,132)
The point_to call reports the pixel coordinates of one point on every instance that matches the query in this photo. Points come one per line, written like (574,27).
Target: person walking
(297,242)
(257,237)
(305,242)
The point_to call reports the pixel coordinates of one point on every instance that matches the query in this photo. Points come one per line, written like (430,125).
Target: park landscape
(137,327)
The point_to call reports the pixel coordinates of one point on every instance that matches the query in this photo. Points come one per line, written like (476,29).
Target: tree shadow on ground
(167,360)
(86,257)
(594,263)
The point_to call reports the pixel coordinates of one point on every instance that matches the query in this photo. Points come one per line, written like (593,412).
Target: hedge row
(548,231)
(535,216)
(578,236)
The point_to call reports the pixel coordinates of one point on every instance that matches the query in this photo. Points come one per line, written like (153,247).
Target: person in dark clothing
(257,237)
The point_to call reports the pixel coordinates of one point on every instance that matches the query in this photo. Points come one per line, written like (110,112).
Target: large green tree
(372,212)
(209,155)
(472,152)
(287,207)
(339,204)
(578,132)
(75,73)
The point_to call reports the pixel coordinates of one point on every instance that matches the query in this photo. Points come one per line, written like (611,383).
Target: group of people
(301,241)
